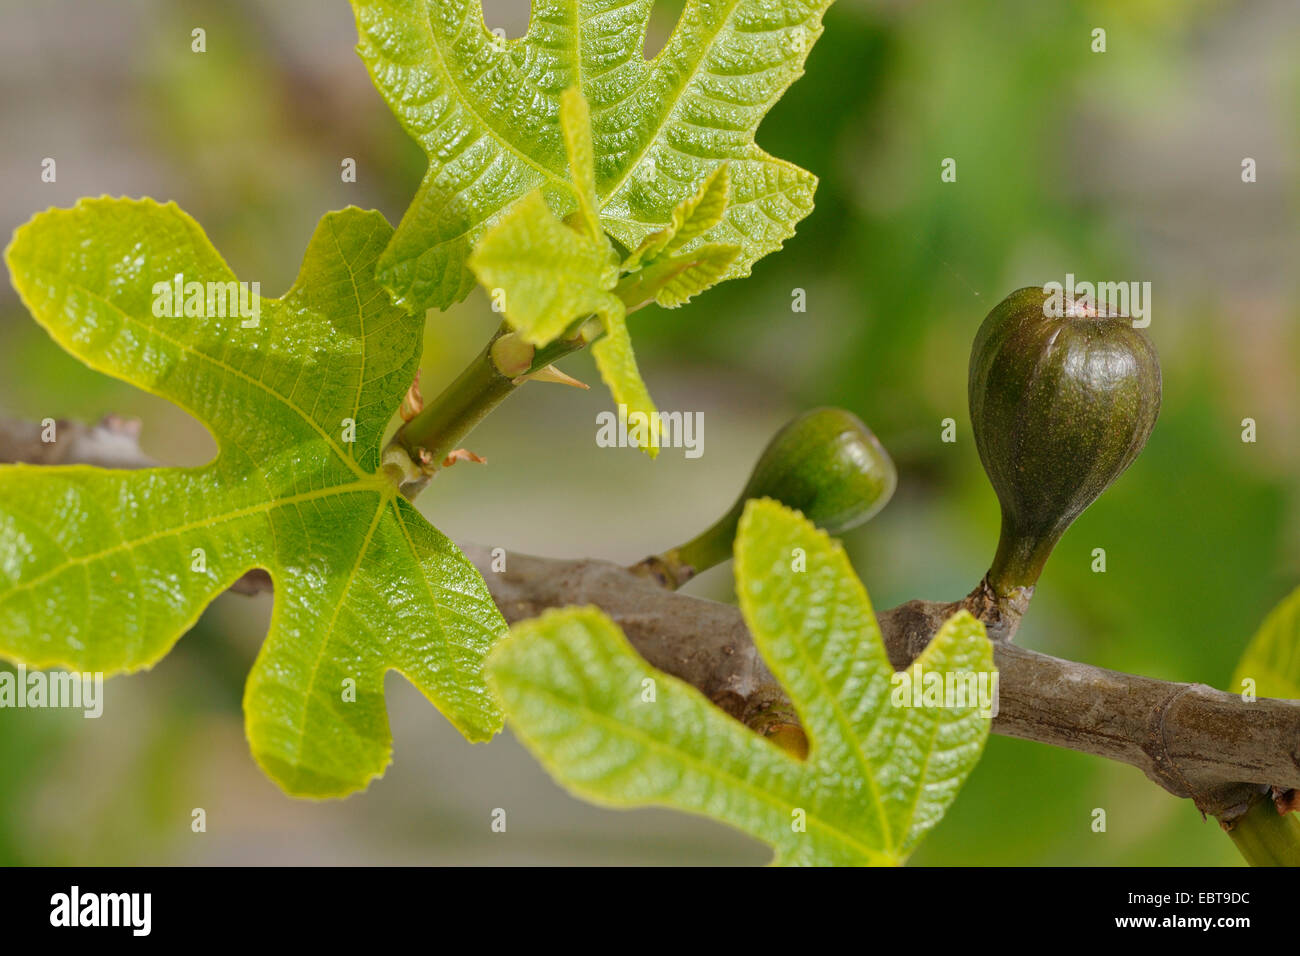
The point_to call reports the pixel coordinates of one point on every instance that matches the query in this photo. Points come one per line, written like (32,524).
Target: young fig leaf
(543,274)
(104,570)
(674,280)
(575,122)
(548,275)
(692,217)
(882,767)
(618,370)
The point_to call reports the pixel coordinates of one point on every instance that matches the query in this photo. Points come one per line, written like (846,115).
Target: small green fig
(825,463)
(1060,404)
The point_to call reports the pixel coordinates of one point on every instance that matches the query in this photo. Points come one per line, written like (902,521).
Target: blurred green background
(1117,166)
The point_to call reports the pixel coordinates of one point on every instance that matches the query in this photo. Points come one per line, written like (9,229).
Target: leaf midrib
(848,733)
(329,628)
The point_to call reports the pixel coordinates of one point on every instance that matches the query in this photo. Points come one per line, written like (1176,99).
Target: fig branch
(1197,743)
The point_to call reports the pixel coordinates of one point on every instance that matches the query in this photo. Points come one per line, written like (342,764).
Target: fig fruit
(825,463)
(1060,406)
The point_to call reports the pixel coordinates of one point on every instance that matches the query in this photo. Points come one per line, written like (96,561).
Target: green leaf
(618,370)
(1272,659)
(659,270)
(486,113)
(547,273)
(878,775)
(692,218)
(674,280)
(575,121)
(104,570)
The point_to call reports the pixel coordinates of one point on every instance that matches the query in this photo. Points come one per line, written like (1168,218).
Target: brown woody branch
(1196,742)
(1212,747)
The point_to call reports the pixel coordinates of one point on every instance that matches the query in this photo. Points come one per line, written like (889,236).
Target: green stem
(571,341)
(1019,560)
(707,549)
(1265,837)
(439,427)
(417,450)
